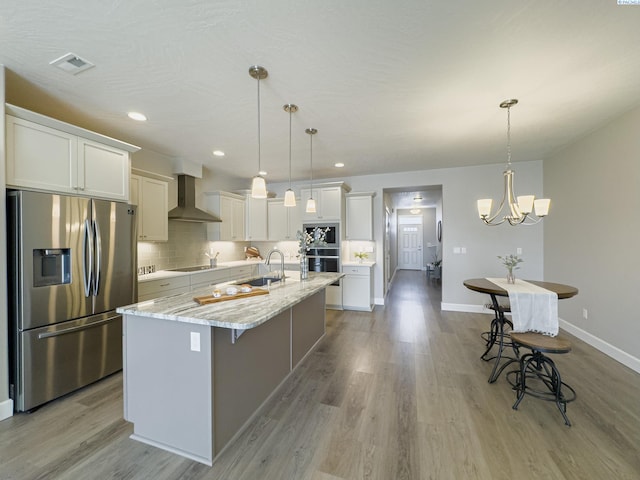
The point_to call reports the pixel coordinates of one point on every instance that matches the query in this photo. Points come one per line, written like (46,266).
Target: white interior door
(410,247)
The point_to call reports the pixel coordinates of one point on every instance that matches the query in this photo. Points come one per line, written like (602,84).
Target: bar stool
(497,336)
(538,375)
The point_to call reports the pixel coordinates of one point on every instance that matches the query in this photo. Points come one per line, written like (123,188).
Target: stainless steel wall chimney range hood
(186,211)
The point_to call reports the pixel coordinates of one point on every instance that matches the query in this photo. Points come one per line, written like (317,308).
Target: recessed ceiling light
(137,116)
(218,153)
(262,172)
(338,165)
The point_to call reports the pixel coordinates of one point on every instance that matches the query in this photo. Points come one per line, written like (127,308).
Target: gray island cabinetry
(194,375)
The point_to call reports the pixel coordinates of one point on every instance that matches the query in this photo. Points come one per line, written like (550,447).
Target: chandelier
(520,211)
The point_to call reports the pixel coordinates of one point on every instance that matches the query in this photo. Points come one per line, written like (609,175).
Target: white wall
(461,227)
(591,237)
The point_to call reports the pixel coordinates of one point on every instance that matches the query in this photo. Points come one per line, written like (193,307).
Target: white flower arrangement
(308,240)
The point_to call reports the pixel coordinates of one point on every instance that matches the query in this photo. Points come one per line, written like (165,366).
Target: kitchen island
(194,375)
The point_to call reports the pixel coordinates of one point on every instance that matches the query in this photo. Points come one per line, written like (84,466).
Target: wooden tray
(211,299)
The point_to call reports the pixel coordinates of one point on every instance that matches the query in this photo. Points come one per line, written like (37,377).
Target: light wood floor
(396,394)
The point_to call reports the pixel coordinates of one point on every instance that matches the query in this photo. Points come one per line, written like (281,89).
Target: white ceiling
(390,85)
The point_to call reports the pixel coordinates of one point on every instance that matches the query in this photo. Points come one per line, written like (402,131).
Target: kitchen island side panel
(247,372)
(169,385)
(307,325)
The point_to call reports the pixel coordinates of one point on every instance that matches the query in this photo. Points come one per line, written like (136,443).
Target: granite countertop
(241,314)
(358,264)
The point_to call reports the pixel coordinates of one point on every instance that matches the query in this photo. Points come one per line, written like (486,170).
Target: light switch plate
(195,341)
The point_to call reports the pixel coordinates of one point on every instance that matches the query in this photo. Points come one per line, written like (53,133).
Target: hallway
(399,393)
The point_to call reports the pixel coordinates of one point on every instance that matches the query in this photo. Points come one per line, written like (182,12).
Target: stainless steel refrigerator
(71,262)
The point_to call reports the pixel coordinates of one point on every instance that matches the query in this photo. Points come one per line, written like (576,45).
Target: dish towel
(533,308)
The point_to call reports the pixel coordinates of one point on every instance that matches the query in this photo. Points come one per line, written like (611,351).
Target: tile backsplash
(186,247)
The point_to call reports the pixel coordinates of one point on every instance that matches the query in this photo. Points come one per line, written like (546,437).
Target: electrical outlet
(518,251)
(195,341)
(585,313)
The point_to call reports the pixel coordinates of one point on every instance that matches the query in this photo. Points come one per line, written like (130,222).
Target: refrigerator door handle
(98,258)
(87,251)
(57,333)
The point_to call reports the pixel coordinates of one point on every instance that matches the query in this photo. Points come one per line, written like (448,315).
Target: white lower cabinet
(357,288)
(163,287)
(150,289)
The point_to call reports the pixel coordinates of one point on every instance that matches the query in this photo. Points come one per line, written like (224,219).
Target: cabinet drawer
(160,286)
(356,270)
(209,277)
(242,272)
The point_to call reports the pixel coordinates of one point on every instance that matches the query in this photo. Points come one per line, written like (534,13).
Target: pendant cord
(290,147)
(259,165)
(508,138)
(311,159)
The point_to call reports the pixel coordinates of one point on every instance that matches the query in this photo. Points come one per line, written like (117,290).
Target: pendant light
(311,203)
(289,196)
(258,185)
(520,208)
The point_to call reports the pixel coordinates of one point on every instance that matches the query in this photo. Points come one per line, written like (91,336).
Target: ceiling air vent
(72,63)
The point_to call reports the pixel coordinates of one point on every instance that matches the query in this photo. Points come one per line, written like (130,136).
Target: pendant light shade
(258,185)
(289,196)
(311,203)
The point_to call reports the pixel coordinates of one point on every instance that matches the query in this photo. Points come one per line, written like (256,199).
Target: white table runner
(533,308)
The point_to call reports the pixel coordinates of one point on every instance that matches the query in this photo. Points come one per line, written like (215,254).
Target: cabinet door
(226,215)
(153,224)
(278,220)
(330,203)
(103,171)
(256,225)
(359,218)
(356,293)
(238,218)
(295,221)
(40,157)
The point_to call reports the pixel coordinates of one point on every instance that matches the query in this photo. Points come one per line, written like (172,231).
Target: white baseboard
(6,409)
(378,301)
(463,307)
(614,352)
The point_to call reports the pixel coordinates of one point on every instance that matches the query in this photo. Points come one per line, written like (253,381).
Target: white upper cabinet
(230,208)
(256,226)
(49,155)
(283,222)
(359,222)
(329,202)
(151,197)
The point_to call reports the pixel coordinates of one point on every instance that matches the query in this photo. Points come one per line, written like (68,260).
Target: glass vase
(304,267)
(511,277)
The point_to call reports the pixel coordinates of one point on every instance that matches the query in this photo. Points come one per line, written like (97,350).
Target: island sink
(262,281)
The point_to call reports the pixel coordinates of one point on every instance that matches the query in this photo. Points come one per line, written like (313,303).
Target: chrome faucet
(268,261)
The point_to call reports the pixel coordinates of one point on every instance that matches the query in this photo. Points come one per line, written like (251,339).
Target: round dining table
(496,335)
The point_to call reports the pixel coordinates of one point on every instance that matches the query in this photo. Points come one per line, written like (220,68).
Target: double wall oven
(326,258)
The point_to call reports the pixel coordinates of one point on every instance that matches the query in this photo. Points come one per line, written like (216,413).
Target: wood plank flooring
(399,393)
